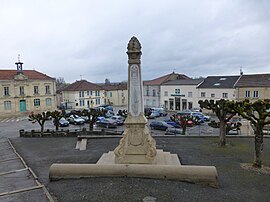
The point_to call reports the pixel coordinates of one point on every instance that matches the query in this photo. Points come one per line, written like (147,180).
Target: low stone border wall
(67,133)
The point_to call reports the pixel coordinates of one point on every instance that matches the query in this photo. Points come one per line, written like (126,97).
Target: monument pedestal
(137,145)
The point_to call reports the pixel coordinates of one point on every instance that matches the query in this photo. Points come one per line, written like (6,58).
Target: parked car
(63,122)
(171,122)
(205,118)
(159,125)
(109,114)
(106,123)
(154,114)
(119,119)
(76,120)
(173,131)
(160,111)
(197,118)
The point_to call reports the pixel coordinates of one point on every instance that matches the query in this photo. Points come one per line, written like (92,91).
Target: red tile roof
(31,74)
(162,79)
(254,80)
(82,85)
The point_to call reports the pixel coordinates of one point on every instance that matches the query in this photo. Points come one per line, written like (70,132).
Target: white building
(178,95)
(151,88)
(83,94)
(218,87)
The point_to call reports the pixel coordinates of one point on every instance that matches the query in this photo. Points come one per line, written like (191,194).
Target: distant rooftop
(31,74)
(254,80)
(168,77)
(82,85)
(183,82)
(219,82)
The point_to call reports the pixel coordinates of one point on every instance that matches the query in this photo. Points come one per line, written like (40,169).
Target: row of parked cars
(110,120)
(174,124)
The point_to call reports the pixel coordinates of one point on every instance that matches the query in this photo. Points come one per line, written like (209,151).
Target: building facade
(26,91)
(116,93)
(152,88)
(83,94)
(217,87)
(253,87)
(178,95)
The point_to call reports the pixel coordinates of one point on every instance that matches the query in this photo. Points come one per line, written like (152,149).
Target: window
(225,95)
(98,101)
(81,94)
(21,90)
(147,90)
(6,91)
(110,94)
(165,93)
(47,90)
(154,92)
(213,95)
(35,89)
(247,93)
(81,102)
(177,91)
(36,102)
(97,93)
(189,94)
(256,93)
(203,94)
(48,102)
(7,105)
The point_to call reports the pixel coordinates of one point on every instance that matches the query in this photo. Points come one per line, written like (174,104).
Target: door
(22,105)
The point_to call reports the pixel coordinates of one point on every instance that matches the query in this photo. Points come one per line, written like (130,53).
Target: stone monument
(137,144)
(136,155)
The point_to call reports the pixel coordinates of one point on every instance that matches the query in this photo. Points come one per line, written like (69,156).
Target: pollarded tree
(224,111)
(259,115)
(41,118)
(92,115)
(57,115)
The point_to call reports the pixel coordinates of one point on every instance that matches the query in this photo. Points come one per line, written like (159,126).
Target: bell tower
(19,65)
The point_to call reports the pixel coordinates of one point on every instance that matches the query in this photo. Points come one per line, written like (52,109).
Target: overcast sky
(88,39)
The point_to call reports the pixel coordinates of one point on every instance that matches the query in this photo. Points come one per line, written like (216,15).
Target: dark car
(106,123)
(159,125)
(173,123)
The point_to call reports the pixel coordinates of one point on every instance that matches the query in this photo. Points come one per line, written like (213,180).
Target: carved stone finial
(134,45)
(134,51)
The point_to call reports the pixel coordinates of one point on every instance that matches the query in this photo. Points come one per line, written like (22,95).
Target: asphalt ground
(234,182)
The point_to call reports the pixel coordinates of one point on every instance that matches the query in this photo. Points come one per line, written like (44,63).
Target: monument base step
(162,158)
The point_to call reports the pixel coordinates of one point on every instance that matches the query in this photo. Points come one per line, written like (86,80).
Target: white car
(119,119)
(76,120)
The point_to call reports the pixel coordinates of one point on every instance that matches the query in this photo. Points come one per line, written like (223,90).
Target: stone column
(137,145)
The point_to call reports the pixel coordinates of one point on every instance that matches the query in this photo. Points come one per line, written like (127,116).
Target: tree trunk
(222,134)
(184,128)
(42,129)
(91,125)
(258,148)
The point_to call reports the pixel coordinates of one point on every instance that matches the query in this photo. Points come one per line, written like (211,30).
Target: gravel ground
(235,183)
